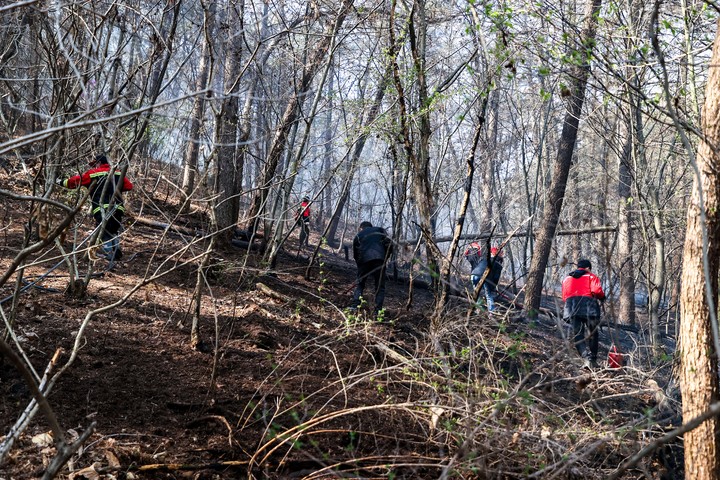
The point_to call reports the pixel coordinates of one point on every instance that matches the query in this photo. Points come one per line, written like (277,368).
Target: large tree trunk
(699,292)
(229,171)
(563,161)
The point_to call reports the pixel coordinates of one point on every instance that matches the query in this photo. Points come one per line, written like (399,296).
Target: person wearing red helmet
(106,200)
(302,218)
(582,292)
(479,263)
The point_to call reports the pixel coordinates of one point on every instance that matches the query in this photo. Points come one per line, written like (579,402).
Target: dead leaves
(98,460)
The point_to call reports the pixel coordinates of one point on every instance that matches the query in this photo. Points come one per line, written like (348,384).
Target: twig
(27,414)
(218,418)
(713,411)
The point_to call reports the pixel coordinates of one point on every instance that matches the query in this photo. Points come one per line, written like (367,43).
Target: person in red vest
(302,218)
(106,201)
(582,292)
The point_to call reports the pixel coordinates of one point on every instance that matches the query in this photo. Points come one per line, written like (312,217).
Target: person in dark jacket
(582,292)
(106,200)
(371,249)
(302,218)
(479,263)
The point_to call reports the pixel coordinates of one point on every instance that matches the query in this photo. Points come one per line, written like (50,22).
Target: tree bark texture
(563,161)
(699,364)
(626,269)
(228,181)
(192,150)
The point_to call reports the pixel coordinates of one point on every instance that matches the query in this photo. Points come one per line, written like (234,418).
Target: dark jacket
(581,292)
(478,263)
(371,243)
(496,266)
(95,179)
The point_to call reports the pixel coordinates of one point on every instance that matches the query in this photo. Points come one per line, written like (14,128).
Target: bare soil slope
(286,385)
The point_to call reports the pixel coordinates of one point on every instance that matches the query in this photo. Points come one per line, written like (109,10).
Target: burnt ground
(284,384)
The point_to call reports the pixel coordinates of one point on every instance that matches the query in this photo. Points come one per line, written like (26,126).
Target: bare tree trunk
(357,152)
(192,150)
(487,186)
(289,116)
(229,171)
(161,56)
(699,292)
(294,167)
(420,160)
(563,161)
(320,213)
(446,268)
(626,267)
(656,284)
(200,279)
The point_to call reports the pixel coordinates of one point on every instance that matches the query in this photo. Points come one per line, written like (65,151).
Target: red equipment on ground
(615,358)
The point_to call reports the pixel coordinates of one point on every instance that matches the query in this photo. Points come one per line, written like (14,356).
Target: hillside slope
(285,384)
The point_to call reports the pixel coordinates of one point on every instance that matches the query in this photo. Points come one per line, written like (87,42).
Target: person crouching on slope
(582,292)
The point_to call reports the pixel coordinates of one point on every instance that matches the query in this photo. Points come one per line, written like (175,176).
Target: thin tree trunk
(563,161)
(446,268)
(357,152)
(289,117)
(320,213)
(162,53)
(626,267)
(192,150)
(420,161)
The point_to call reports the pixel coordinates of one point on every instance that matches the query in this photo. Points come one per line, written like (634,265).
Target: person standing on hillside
(493,280)
(106,201)
(371,249)
(478,264)
(582,292)
(302,218)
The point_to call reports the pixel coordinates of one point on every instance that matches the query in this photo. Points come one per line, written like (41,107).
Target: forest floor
(286,384)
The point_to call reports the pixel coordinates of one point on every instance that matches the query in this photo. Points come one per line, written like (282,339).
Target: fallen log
(258,245)
(483,236)
(167,227)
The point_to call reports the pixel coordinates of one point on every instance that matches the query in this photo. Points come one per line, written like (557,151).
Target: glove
(60,182)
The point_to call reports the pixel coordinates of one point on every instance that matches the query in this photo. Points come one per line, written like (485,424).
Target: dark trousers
(374,269)
(109,235)
(304,232)
(585,331)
